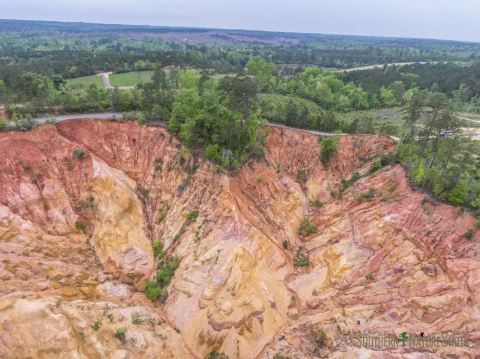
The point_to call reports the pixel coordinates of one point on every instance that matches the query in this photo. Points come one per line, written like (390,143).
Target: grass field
(129,79)
(86,81)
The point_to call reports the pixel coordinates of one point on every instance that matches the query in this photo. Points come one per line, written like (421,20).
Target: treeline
(438,157)
(460,81)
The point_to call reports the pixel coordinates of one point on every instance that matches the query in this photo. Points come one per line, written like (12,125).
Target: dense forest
(215,89)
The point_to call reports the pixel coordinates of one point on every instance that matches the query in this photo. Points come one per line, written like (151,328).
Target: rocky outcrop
(82,202)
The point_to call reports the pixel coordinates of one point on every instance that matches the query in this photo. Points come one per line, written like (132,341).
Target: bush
(78,154)
(319,338)
(366,196)
(316,202)
(369,277)
(3,124)
(302,176)
(192,216)
(307,228)
(376,166)
(120,334)
(96,325)
(81,226)
(166,271)
(137,319)
(153,291)
(469,234)
(301,258)
(477,224)
(158,251)
(347,183)
(329,148)
(215,354)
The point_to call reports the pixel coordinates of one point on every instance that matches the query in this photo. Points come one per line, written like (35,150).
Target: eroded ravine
(76,238)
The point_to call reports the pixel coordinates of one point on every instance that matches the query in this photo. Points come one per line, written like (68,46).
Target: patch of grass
(85,81)
(307,228)
(130,79)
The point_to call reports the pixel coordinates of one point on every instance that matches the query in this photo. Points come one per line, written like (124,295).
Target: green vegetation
(192,216)
(320,338)
(369,277)
(301,258)
(130,79)
(158,250)
(306,228)
(157,290)
(81,226)
(120,334)
(316,202)
(86,81)
(329,148)
(78,154)
(470,234)
(217,116)
(96,325)
(137,319)
(215,354)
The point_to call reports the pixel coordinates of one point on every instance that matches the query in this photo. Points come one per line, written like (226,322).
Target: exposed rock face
(384,259)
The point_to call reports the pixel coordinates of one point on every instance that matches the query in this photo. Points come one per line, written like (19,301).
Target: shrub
(153,291)
(301,258)
(3,124)
(366,196)
(166,271)
(347,183)
(192,216)
(158,251)
(316,202)
(120,334)
(215,354)
(307,228)
(158,164)
(320,338)
(469,234)
(78,154)
(285,244)
(137,319)
(376,166)
(96,325)
(369,277)
(81,226)
(302,176)
(477,224)
(329,148)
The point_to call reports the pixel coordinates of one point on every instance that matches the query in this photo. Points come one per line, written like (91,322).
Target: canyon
(82,201)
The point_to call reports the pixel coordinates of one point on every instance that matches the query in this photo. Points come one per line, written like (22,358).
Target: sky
(436,19)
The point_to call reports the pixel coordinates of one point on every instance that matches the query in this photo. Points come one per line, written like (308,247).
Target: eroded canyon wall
(81,203)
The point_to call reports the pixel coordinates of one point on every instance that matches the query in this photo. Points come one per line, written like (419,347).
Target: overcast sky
(441,19)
